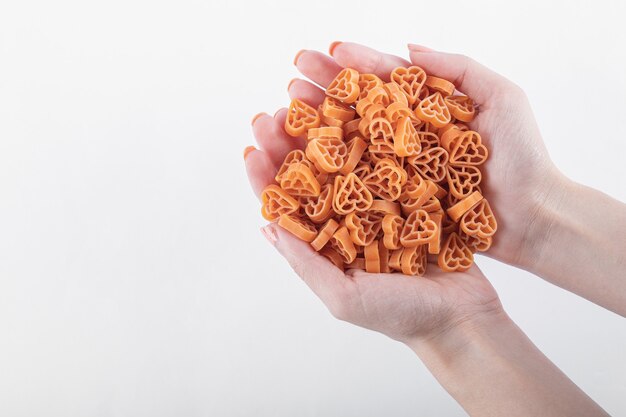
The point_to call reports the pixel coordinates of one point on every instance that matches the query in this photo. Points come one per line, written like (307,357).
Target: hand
(404,308)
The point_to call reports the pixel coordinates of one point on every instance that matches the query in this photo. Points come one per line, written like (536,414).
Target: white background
(133,278)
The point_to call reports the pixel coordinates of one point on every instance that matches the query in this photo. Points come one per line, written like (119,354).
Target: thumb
(327,281)
(469,77)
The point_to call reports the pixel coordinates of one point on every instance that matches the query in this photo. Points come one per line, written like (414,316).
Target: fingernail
(254,119)
(419,48)
(247,150)
(300,52)
(270,234)
(332,47)
(291,82)
(276,114)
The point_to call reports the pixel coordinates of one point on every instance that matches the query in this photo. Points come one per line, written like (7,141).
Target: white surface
(125,213)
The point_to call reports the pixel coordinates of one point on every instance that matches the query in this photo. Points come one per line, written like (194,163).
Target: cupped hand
(402,307)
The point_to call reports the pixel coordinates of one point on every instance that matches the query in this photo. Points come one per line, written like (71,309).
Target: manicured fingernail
(254,119)
(300,52)
(247,151)
(270,234)
(419,48)
(291,82)
(332,47)
(276,114)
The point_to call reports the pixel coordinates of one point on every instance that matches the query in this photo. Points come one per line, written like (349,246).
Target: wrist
(544,216)
(442,347)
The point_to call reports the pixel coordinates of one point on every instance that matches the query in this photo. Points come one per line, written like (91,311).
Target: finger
(469,77)
(317,67)
(260,169)
(272,138)
(325,279)
(306,91)
(366,60)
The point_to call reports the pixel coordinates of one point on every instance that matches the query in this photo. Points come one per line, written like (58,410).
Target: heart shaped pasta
(406,141)
(345,86)
(479,221)
(364,226)
(467,149)
(433,109)
(389,174)
(277,202)
(328,154)
(351,195)
(461,107)
(462,179)
(410,80)
(300,118)
(418,229)
(385,181)
(431,164)
(455,255)
(300,181)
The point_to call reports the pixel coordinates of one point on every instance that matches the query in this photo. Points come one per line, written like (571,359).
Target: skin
(455,322)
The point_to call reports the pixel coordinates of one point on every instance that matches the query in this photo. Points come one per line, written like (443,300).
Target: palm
(516,171)
(404,307)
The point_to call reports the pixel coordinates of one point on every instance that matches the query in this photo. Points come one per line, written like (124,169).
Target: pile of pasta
(390,175)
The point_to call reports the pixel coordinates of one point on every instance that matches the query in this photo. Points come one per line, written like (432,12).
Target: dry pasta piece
(410,80)
(351,194)
(433,109)
(447,134)
(326,232)
(392,229)
(300,181)
(337,110)
(406,141)
(412,204)
(445,87)
(385,181)
(418,229)
(377,95)
(396,95)
(351,128)
(342,243)
(300,228)
(384,254)
(462,179)
(327,154)
(356,146)
(385,207)
(366,83)
(455,255)
(396,111)
(479,221)
(431,164)
(413,260)
(459,209)
(325,132)
(345,86)
(381,135)
(327,120)
(461,107)
(372,258)
(467,149)
(320,208)
(434,246)
(364,226)
(300,118)
(277,202)
(332,255)
(292,157)
(358,263)
(475,243)
(395,257)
